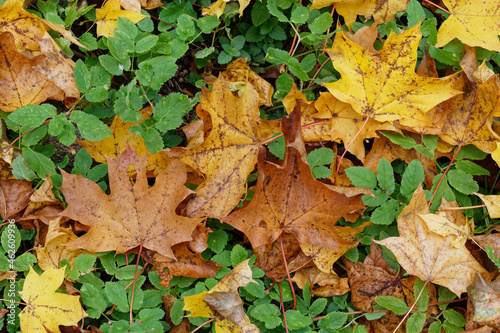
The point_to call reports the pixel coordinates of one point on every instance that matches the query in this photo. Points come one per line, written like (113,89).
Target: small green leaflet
(31,116)
(91,128)
(361,176)
(169,112)
(392,303)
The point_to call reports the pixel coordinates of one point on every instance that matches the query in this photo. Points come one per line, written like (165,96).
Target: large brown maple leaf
(132,214)
(289,200)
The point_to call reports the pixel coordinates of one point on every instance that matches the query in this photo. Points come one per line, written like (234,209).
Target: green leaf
(176,312)
(435,327)
(361,176)
(470,152)
(444,56)
(386,213)
(56,125)
(151,318)
(284,84)
(300,14)
(185,27)
(110,64)
(152,139)
(83,265)
(22,171)
(385,175)
(31,116)
(89,41)
(320,156)
(462,182)
(375,315)
(412,177)
(126,272)
(317,307)
(450,328)
(82,163)
(152,298)
(423,300)
(127,27)
(321,24)
(454,317)
(169,112)
(91,128)
(68,134)
(392,303)
(259,14)
(108,263)
(217,240)
(295,69)
(491,254)
(321,171)
(278,57)
(297,320)
(415,323)
(471,168)
(404,141)
(308,62)
(145,44)
(117,295)
(24,262)
(238,254)
(415,12)
(33,137)
(40,163)
(11,238)
(82,76)
(333,321)
(268,314)
(97,172)
(272,7)
(306,293)
(205,52)
(359,329)
(93,298)
(208,23)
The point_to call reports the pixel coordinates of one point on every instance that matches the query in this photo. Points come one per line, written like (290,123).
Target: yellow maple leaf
(217,8)
(384,86)
(474,23)
(107,17)
(492,203)
(428,255)
(45,308)
(223,303)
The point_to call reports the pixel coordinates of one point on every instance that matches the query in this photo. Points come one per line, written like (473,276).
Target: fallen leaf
(228,154)
(217,8)
(427,255)
(473,23)
(116,144)
(329,284)
(132,214)
(325,257)
(46,308)
(43,205)
(492,240)
(381,10)
(492,203)
(136,5)
(186,264)
(384,86)
(54,250)
(289,200)
(223,302)
(14,197)
(107,17)
(485,297)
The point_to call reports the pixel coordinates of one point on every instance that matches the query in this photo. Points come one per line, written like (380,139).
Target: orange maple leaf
(132,214)
(289,200)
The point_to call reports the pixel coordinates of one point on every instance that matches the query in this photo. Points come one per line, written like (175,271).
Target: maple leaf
(116,144)
(427,255)
(485,298)
(470,115)
(43,205)
(132,214)
(136,5)
(107,17)
(25,80)
(384,86)
(289,200)
(223,302)
(54,249)
(229,153)
(329,284)
(14,197)
(46,308)
(474,23)
(217,8)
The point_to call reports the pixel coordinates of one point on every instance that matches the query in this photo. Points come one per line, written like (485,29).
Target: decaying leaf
(289,200)
(107,17)
(329,284)
(43,205)
(14,197)
(136,5)
(223,302)
(384,86)
(217,8)
(473,23)
(430,256)
(485,297)
(132,214)
(229,153)
(492,203)
(46,308)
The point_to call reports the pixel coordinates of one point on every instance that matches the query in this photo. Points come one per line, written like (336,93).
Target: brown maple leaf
(132,214)
(430,256)
(289,200)
(14,197)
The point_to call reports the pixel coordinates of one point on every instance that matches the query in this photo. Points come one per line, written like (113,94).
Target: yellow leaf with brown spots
(492,203)
(116,144)
(475,23)
(381,10)
(229,153)
(107,17)
(430,256)
(217,8)
(45,308)
(384,86)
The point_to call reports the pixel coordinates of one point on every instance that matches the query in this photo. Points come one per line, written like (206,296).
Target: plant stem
(288,272)
(437,6)
(133,286)
(328,31)
(283,307)
(444,173)
(199,327)
(409,311)
(460,208)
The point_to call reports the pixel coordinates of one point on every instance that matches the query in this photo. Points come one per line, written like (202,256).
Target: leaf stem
(460,208)
(444,173)
(317,72)
(347,149)
(283,307)
(437,6)
(409,311)
(199,327)
(320,122)
(10,145)
(328,31)
(288,272)
(133,286)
